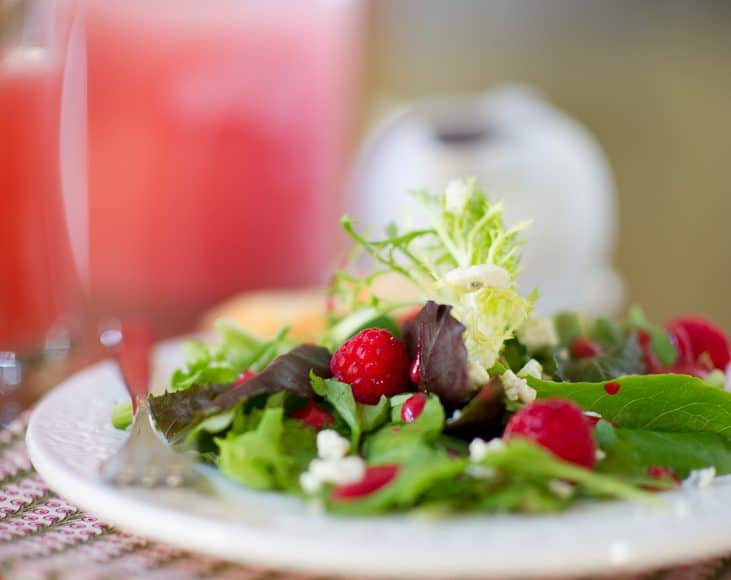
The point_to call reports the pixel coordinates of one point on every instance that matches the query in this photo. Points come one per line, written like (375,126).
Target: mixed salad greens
(463,401)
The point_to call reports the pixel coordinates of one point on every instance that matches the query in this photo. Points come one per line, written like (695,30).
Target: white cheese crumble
(480,471)
(456,415)
(531,369)
(332,465)
(728,377)
(537,333)
(477,374)
(456,196)
(592,414)
(330,445)
(479,448)
(600,455)
(560,488)
(473,278)
(517,389)
(701,477)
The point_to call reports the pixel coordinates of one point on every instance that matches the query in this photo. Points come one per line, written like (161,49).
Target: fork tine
(145,460)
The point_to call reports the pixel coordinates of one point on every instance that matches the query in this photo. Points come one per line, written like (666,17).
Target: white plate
(70,434)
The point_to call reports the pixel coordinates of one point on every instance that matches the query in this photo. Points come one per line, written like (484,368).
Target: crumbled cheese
(456,415)
(517,389)
(531,369)
(701,477)
(309,483)
(728,377)
(473,278)
(477,374)
(592,414)
(480,471)
(600,455)
(456,196)
(479,448)
(336,471)
(560,488)
(537,333)
(332,464)
(330,445)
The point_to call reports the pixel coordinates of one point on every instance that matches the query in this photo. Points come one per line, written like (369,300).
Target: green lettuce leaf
(122,415)
(652,402)
(614,361)
(270,456)
(358,417)
(520,457)
(395,443)
(522,474)
(660,342)
(633,451)
(223,362)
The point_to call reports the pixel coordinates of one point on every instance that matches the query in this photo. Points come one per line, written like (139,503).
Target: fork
(144,459)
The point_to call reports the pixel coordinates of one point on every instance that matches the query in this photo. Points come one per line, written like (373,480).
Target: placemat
(43,536)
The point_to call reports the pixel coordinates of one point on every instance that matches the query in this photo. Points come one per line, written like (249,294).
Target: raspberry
(701,337)
(244,378)
(313,416)
(375,478)
(413,407)
(583,347)
(373,363)
(558,425)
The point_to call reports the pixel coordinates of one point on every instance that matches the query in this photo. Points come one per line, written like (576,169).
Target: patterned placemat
(44,536)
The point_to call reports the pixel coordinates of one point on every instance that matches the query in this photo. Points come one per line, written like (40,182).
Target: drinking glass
(218,137)
(39,304)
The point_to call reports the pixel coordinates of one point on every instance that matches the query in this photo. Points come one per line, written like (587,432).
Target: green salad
(462,401)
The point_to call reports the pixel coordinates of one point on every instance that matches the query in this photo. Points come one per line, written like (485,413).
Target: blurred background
(650,79)
(158,157)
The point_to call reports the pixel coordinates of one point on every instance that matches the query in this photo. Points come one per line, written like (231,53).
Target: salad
(462,401)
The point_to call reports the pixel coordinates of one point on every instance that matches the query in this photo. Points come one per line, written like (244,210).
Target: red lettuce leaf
(482,416)
(177,413)
(435,337)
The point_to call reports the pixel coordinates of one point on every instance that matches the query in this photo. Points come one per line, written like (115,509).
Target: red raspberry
(373,363)
(583,347)
(700,336)
(375,478)
(558,425)
(244,378)
(313,416)
(413,407)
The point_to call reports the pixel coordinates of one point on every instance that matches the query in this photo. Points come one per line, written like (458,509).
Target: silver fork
(144,459)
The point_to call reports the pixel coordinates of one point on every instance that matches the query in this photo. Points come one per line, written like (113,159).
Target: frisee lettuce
(467,258)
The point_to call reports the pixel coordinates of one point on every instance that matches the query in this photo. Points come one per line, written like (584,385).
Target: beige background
(650,79)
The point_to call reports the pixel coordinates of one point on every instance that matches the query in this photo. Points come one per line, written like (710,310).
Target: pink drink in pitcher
(218,141)
(37,284)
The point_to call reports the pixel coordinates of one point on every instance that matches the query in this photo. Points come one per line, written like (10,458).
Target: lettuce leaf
(358,417)
(395,443)
(615,360)
(178,413)
(678,403)
(435,337)
(633,451)
(520,479)
(223,362)
(271,455)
